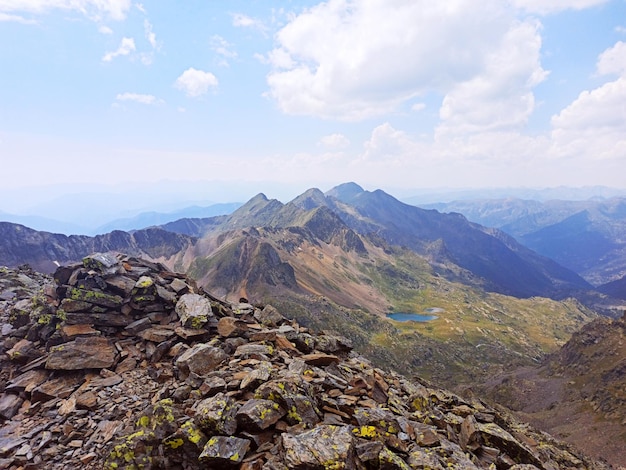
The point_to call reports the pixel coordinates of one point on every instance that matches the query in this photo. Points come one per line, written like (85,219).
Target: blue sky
(284,96)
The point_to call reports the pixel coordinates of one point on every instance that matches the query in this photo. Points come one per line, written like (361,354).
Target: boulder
(320,448)
(194,310)
(9,405)
(224,450)
(217,415)
(82,353)
(200,359)
(257,415)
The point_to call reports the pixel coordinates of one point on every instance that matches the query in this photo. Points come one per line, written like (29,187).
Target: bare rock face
(123,364)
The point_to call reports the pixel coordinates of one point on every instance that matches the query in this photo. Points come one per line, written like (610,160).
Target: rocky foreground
(120,363)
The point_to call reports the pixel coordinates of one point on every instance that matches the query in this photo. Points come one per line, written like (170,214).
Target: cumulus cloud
(552,6)
(105,30)
(593,125)
(138,98)
(195,83)
(339,60)
(501,96)
(115,9)
(389,144)
(613,60)
(126,47)
(334,141)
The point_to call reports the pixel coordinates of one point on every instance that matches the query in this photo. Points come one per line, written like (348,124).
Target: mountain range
(352,256)
(344,259)
(585,236)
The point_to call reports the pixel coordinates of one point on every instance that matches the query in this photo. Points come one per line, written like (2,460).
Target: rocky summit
(119,363)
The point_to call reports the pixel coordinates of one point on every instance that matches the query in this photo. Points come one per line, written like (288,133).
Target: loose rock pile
(122,363)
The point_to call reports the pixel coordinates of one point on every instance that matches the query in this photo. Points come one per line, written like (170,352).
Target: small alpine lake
(418,317)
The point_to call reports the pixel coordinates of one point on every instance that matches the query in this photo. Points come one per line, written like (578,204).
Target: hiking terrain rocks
(119,363)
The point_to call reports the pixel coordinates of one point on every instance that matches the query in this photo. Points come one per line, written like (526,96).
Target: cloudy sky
(387,93)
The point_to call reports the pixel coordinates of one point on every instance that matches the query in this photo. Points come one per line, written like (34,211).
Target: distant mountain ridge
(150,219)
(43,251)
(137,222)
(585,236)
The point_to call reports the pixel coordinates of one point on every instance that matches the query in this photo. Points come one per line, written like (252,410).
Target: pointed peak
(258,198)
(310,199)
(345,192)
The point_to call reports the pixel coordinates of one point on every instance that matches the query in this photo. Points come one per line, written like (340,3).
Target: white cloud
(15,18)
(150,36)
(613,60)
(553,6)
(339,60)
(593,125)
(334,141)
(391,145)
(138,98)
(244,21)
(501,96)
(223,49)
(126,47)
(105,30)
(115,9)
(195,82)
(418,107)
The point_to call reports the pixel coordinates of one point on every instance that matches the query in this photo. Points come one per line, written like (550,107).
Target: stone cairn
(123,364)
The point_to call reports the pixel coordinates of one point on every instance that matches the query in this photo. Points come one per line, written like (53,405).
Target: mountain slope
(585,236)
(491,259)
(351,285)
(578,393)
(507,267)
(43,250)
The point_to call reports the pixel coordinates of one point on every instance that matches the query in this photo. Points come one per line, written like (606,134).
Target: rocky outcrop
(122,363)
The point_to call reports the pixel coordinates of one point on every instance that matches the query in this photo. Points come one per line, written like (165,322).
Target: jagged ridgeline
(120,363)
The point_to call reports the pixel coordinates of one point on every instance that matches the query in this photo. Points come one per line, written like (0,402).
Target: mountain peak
(310,199)
(345,192)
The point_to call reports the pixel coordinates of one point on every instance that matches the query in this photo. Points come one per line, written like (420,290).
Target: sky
(287,95)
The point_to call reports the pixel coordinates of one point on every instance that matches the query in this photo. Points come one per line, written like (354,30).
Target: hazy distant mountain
(43,223)
(149,219)
(585,236)
(563,193)
(615,289)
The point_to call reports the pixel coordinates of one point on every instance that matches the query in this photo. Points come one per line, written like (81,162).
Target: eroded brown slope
(579,394)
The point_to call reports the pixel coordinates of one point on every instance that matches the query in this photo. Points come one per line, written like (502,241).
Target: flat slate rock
(82,353)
